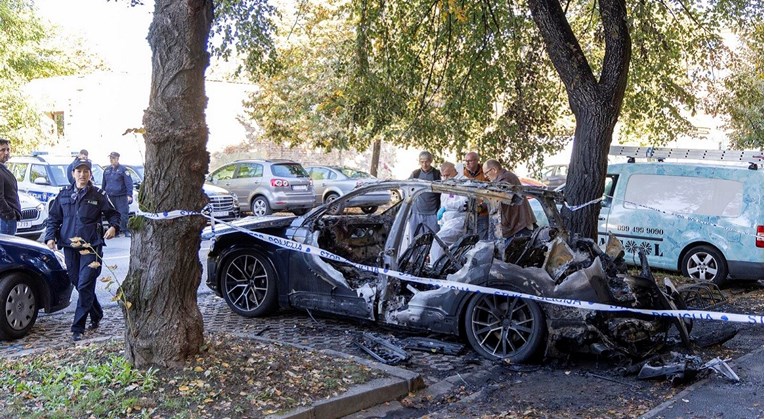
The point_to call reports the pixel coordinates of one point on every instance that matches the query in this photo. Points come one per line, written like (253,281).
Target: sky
(113,29)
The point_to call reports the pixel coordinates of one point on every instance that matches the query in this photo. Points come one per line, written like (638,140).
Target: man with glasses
(514,220)
(427,204)
(10,205)
(474,171)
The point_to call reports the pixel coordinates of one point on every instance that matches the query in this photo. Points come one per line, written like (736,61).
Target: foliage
(229,377)
(739,95)
(28,51)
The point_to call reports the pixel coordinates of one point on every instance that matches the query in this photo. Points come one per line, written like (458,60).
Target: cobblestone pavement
(291,327)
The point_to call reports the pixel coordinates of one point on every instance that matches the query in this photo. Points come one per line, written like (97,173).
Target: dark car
(258,275)
(32,277)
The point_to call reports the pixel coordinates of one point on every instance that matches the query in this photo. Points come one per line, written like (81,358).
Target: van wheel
(705,263)
(260,207)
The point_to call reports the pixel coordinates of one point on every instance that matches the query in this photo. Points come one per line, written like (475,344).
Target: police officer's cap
(114,154)
(85,163)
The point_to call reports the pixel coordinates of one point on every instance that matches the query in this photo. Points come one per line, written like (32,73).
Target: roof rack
(632,152)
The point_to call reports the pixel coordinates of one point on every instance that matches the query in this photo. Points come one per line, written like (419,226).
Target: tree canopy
(28,51)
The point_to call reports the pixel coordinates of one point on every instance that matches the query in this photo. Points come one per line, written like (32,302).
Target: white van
(702,219)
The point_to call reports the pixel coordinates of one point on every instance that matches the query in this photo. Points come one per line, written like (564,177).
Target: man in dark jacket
(75,218)
(82,156)
(10,206)
(119,187)
(425,209)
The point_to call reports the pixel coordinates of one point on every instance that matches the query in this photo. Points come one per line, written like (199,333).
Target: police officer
(76,214)
(119,187)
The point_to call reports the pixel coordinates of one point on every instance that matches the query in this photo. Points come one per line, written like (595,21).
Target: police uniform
(77,213)
(118,186)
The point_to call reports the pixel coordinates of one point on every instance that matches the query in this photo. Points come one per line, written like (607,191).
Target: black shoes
(76,336)
(94,325)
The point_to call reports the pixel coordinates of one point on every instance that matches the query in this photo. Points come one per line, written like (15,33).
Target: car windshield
(58,174)
(288,170)
(354,174)
(138,170)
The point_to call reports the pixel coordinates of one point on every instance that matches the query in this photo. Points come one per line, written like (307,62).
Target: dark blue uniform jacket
(74,214)
(117,181)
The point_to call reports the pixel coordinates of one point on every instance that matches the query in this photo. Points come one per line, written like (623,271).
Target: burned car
(346,264)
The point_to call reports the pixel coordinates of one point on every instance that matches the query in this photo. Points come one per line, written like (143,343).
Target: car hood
(7,240)
(251,223)
(28,201)
(214,190)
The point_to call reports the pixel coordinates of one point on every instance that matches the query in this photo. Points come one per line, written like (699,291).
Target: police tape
(460,286)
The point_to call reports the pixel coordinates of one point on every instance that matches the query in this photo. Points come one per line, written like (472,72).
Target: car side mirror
(42,180)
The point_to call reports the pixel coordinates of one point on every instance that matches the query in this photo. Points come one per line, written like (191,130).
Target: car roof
(264,161)
(43,158)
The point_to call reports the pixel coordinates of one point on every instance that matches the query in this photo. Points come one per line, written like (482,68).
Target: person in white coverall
(451,215)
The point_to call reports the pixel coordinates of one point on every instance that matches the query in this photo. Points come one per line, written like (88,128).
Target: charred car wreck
(257,277)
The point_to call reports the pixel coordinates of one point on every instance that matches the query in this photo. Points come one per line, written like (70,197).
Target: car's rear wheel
(705,263)
(330,197)
(369,210)
(260,207)
(19,306)
(248,284)
(500,327)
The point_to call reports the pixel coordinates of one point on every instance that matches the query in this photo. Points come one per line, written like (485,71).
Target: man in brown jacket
(515,220)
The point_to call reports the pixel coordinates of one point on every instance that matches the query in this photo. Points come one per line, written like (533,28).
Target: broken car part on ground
(257,277)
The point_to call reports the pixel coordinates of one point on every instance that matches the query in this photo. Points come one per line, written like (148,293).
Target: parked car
(332,182)
(554,175)
(32,277)
(700,219)
(33,216)
(42,175)
(265,186)
(257,276)
(224,204)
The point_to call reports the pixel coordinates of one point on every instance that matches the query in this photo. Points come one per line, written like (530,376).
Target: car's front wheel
(705,263)
(260,207)
(248,283)
(19,306)
(500,327)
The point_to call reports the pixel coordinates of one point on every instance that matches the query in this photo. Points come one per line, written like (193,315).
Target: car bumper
(745,270)
(292,201)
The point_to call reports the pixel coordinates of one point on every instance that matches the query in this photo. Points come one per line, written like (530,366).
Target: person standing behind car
(118,186)
(517,219)
(74,218)
(474,171)
(10,206)
(427,204)
(82,156)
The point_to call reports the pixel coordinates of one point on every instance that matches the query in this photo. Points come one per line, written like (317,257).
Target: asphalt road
(117,253)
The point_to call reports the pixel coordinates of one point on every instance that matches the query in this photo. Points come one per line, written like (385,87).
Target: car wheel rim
(259,208)
(246,282)
(20,306)
(702,266)
(502,325)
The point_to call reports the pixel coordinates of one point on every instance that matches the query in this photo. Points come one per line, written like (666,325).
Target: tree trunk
(163,325)
(596,103)
(375,164)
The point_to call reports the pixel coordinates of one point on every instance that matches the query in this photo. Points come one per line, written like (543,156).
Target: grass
(232,377)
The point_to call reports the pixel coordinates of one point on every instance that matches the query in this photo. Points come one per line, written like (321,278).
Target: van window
(685,195)
(18,170)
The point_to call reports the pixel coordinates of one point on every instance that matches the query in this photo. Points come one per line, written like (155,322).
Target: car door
(319,175)
(247,179)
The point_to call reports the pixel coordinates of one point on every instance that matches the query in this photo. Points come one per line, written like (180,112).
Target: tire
(508,328)
(19,306)
(369,210)
(260,207)
(330,197)
(248,283)
(705,263)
